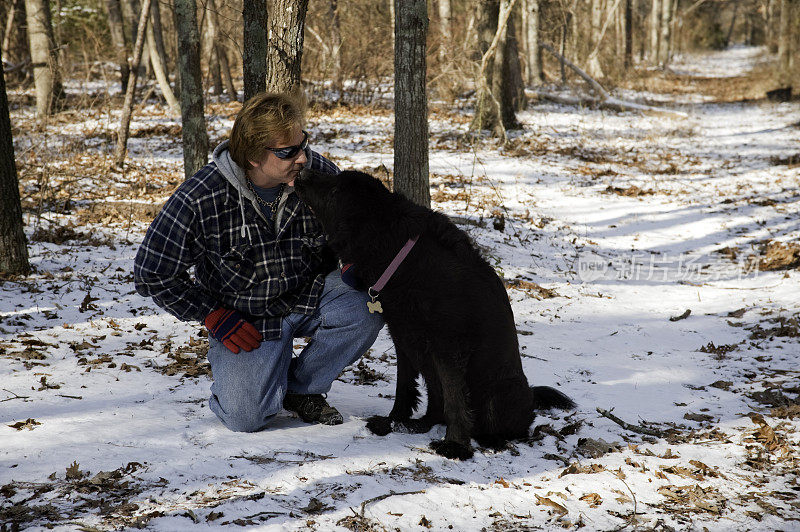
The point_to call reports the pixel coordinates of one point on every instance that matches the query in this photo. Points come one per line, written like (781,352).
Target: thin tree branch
(628,426)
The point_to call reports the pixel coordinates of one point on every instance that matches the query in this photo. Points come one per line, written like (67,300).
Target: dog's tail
(545,397)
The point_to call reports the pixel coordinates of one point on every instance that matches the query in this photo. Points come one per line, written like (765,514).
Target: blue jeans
(249,387)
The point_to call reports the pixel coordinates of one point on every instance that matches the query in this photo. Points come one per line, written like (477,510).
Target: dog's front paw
(380,425)
(452,449)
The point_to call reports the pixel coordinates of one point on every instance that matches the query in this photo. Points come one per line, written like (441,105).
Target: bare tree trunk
(285,50)
(132,11)
(158,35)
(785,44)
(393,18)
(663,41)
(13,249)
(15,39)
(127,107)
(254,48)
(628,34)
(489,112)
(159,68)
(513,86)
(445,30)
(121,48)
(564,29)
(619,32)
(222,54)
(195,136)
(732,24)
(208,57)
(674,30)
(411,102)
(336,45)
(593,62)
(216,74)
(655,30)
(532,51)
(769,24)
(46,74)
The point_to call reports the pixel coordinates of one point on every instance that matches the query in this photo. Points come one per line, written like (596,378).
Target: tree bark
(512,86)
(532,51)
(285,51)
(666,33)
(119,40)
(46,74)
(393,21)
(222,54)
(132,11)
(127,107)
(494,108)
(254,48)
(195,137)
(628,34)
(216,73)
(336,45)
(445,30)
(769,24)
(788,12)
(593,61)
(411,102)
(158,35)
(159,68)
(13,249)
(655,30)
(15,39)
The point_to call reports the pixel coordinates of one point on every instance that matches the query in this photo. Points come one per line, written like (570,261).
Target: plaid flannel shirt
(241,264)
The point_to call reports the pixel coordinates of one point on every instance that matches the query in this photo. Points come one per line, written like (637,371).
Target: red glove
(232,330)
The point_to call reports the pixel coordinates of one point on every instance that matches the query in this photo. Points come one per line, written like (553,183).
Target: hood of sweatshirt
(236,177)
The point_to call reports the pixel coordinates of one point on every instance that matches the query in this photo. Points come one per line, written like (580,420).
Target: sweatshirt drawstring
(244,221)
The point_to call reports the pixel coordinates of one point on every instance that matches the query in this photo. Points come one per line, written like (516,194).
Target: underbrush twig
(386,496)
(628,426)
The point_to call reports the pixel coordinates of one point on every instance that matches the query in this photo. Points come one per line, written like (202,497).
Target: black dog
(448,314)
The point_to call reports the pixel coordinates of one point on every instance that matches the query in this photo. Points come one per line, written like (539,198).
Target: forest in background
(642,216)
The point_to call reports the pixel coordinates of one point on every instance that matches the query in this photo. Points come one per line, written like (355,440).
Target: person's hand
(232,330)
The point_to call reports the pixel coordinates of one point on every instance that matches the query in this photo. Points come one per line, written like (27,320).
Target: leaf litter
(146,375)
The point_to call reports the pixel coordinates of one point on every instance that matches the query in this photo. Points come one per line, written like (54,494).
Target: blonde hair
(264,119)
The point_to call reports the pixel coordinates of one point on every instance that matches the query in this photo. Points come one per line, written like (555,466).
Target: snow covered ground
(607,227)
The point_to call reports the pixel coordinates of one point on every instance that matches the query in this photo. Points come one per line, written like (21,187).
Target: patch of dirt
(632,191)
(530,288)
(785,327)
(75,495)
(157,130)
(60,234)
(791,160)
(719,350)
(362,374)
(188,360)
(780,256)
(118,211)
(751,86)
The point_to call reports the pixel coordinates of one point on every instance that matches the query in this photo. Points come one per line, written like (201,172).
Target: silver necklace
(273,205)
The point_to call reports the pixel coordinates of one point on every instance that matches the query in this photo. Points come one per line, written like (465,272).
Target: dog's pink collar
(387,274)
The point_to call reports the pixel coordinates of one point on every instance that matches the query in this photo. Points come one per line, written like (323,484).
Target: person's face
(273,170)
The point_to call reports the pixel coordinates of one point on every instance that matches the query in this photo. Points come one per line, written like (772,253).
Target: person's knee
(245,408)
(247,422)
(243,417)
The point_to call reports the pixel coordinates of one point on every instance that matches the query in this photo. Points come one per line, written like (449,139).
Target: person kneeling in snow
(263,274)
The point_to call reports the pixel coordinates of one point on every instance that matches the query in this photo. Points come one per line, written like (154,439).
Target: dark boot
(312,408)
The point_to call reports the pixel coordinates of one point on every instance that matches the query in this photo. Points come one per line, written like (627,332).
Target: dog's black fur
(447,311)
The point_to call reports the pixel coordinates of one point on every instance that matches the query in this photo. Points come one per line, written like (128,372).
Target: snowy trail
(622,216)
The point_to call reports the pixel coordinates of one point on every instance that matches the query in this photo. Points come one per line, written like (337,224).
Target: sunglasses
(290,152)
